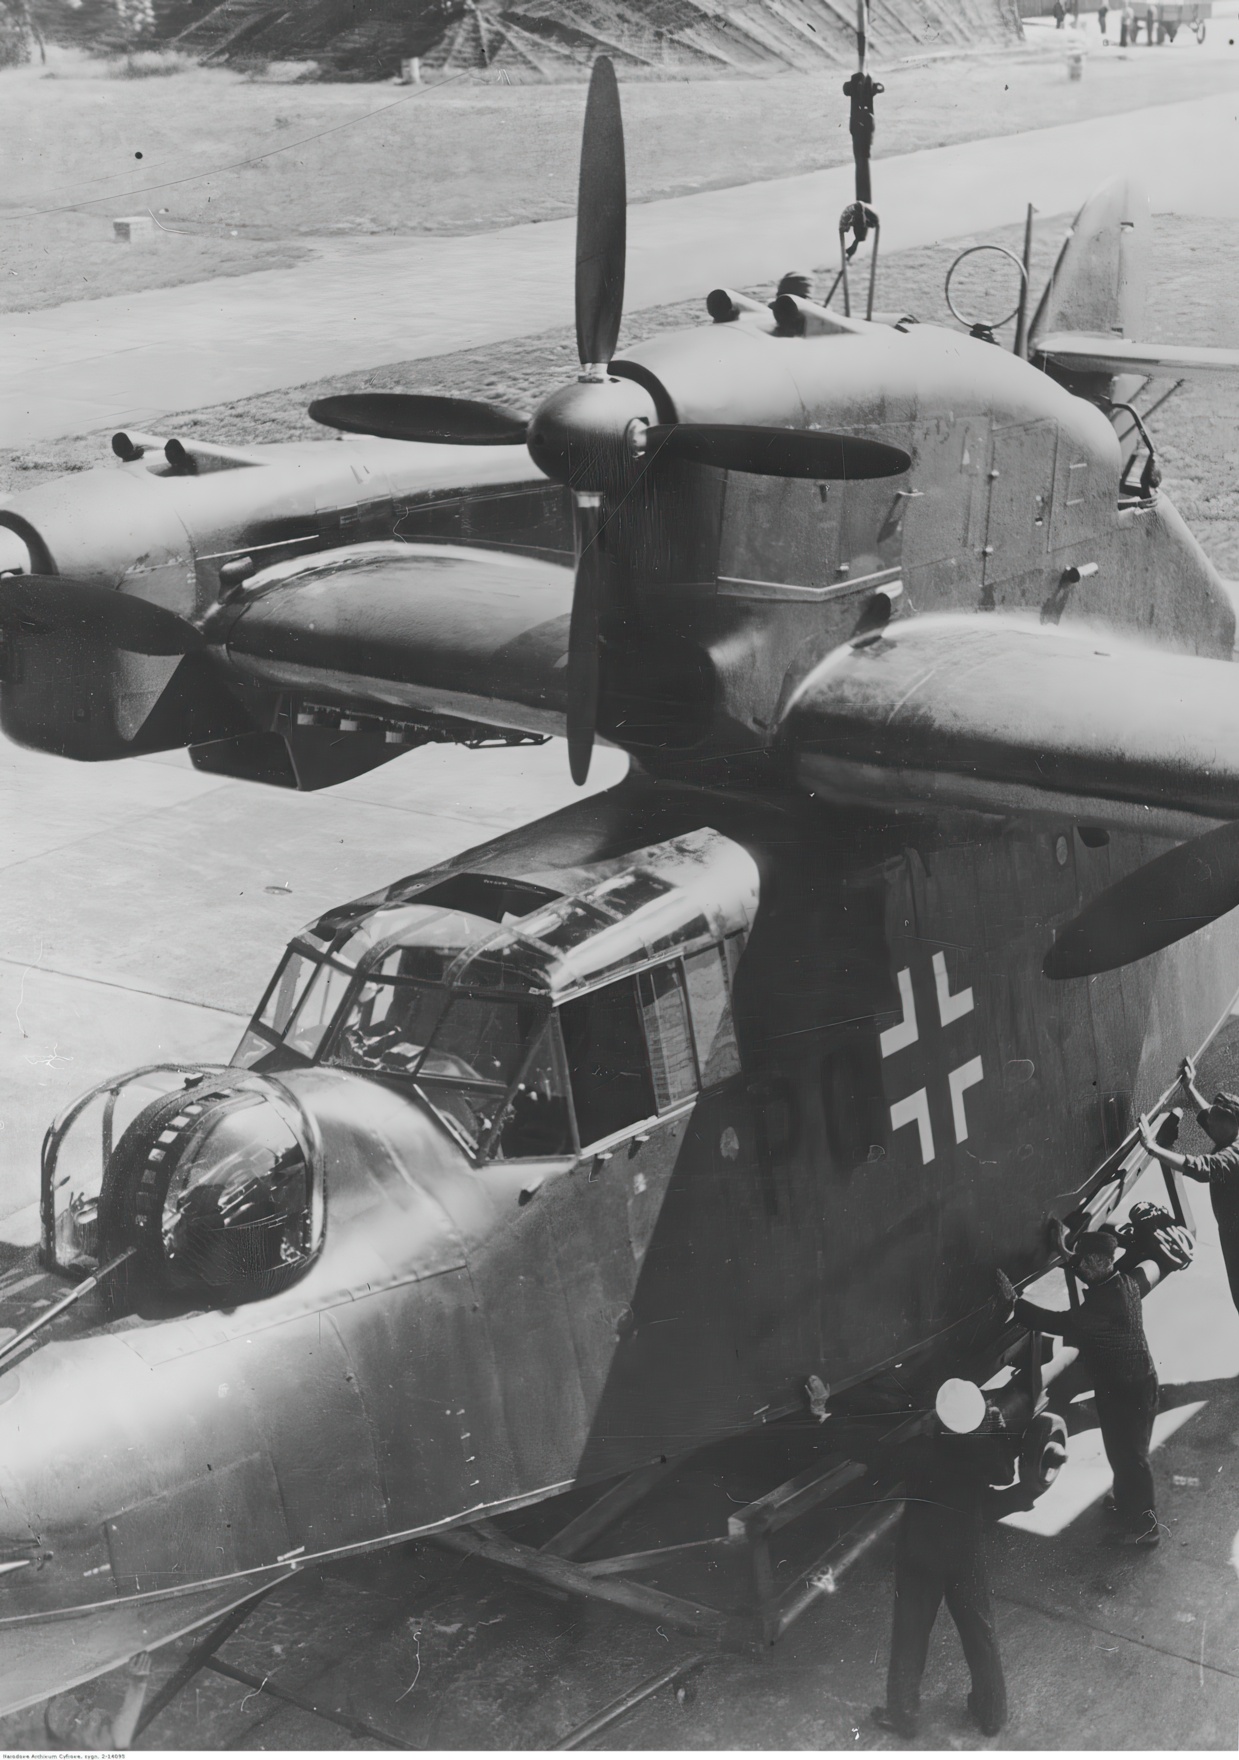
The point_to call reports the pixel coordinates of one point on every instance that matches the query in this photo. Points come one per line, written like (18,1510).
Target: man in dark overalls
(939,1555)
(1107,1328)
(1219,1171)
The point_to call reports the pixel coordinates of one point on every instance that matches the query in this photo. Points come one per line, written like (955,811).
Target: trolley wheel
(1043,1452)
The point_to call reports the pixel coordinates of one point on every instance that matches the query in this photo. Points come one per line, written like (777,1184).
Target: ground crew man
(1108,1330)
(947,1477)
(1219,1171)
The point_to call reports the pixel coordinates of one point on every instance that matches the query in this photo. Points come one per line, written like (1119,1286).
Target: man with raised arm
(1219,1171)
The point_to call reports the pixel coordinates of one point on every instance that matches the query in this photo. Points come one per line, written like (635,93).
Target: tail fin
(1099,281)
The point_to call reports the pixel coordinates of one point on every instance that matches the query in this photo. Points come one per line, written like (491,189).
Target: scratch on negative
(417,1651)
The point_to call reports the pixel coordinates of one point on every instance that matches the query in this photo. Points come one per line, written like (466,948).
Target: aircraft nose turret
(161,1463)
(580,434)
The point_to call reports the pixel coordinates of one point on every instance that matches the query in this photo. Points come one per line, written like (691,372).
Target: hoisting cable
(858,218)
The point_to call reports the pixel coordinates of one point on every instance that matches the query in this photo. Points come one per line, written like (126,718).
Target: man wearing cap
(1108,1330)
(1219,1171)
(947,1477)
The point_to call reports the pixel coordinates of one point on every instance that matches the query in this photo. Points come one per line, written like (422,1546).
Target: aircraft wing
(438,628)
(1003,714)
(1114,354)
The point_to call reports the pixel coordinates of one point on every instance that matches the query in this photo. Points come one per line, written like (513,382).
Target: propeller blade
(583,637)
(601,221)
(401,415)
(1168,898)
(778,452)
(52,603)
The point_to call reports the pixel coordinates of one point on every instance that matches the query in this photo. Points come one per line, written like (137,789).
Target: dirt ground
(1190,300)
(242,173)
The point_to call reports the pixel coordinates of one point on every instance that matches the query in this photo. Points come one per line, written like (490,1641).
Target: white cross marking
(904,1033)
(915,1110)
(950,1008)
(961,1079)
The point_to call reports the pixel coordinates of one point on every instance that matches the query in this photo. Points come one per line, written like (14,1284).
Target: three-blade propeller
(586,443)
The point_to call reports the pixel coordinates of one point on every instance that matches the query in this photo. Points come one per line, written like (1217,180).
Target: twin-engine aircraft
(607,1139)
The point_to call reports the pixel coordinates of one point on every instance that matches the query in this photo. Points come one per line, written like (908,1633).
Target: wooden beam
(795,1498)
(559,1573)
(579,1533)
(648,1561)
(824,1577)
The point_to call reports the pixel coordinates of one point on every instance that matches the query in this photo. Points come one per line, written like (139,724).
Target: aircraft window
(317,1010)
(238,1202)
(487,895)
(286,991)
(508,964)
(664,1010)
(469,1055)
(389,1026)
(535,1120)
(628,892)
(479,1039)
(432,927)
(252,1047)
(713,1025)
(608,1063)
(677,934)
(733,946)
(475,1055)
(566,927)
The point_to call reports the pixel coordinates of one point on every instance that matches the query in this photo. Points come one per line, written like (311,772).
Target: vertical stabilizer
(1099,281)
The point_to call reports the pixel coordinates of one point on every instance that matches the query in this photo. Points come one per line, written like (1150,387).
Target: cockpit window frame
(480,1153)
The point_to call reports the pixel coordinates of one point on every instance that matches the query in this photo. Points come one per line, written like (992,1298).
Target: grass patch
(217,152)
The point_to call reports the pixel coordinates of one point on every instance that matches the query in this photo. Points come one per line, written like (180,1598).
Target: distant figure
(1060,14)
(1219,1171)
(939,1554)
(1108,1330)
(1125,27)
(1101,20)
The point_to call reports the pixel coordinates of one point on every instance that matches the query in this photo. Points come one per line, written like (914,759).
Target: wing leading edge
(998,714)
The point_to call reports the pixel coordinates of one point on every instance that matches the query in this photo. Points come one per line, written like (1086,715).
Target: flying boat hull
(473,1334)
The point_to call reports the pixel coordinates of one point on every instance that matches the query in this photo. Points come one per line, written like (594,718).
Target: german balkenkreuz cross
(914,1108)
